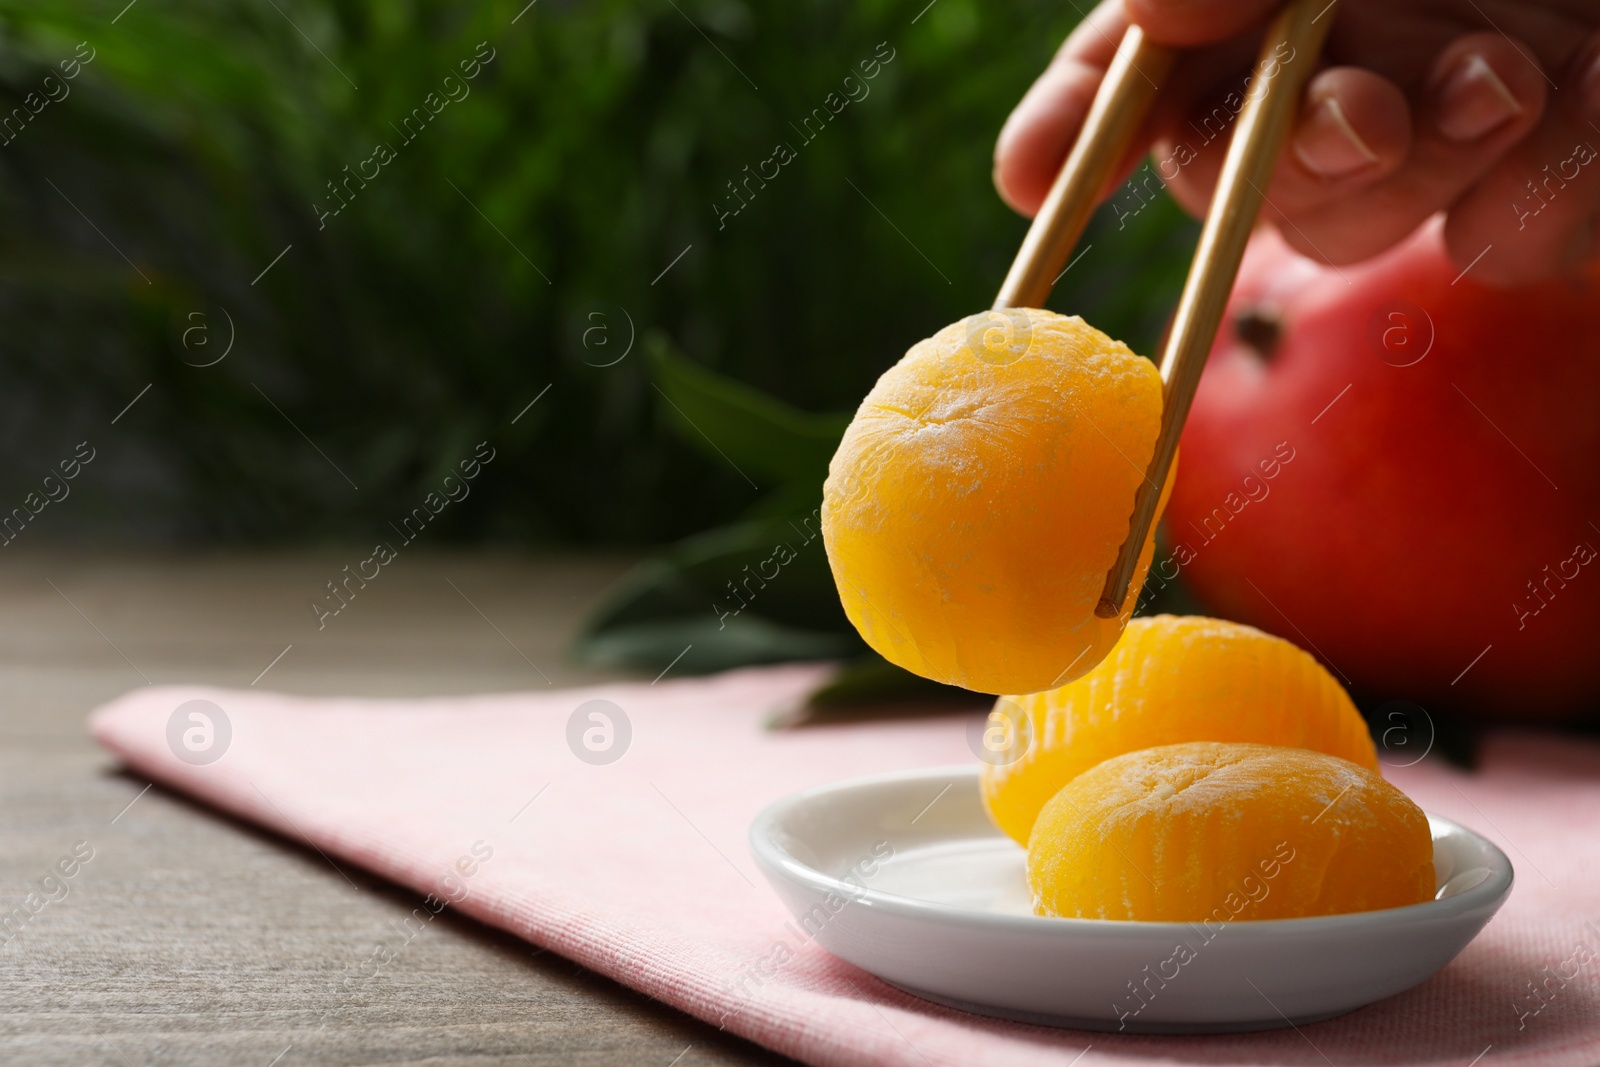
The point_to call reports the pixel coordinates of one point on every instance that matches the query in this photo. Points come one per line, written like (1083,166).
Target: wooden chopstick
(1120,105)
(1287,58)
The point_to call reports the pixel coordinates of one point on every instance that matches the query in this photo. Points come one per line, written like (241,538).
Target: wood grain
(191,938)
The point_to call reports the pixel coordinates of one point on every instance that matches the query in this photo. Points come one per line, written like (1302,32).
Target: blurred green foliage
(520,241)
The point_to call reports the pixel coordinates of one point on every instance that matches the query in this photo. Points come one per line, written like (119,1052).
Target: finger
(1040,130)
(1485,94)
(1185,23)
(1354,129)
(1536,212)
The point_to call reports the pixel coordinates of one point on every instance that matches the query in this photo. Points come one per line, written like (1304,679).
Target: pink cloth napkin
(639,868)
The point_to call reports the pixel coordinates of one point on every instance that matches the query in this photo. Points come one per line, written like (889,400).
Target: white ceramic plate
(904,876)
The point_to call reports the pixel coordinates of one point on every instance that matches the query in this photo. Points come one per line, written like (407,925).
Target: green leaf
(703,645)
(763,437)
(752,592)
(873,680)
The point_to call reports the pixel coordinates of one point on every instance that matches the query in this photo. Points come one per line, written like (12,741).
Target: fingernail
(1327,145)
(1473,101)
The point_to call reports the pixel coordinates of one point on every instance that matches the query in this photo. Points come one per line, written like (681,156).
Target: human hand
(1488,110)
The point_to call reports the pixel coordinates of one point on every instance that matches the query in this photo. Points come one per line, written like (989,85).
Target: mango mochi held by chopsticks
(981,494)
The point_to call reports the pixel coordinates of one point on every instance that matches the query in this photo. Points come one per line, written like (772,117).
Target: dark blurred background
(551,228)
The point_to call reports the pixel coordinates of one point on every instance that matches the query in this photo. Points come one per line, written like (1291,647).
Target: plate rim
(773,859)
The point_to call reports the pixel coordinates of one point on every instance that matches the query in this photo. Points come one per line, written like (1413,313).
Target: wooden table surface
(194,939)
